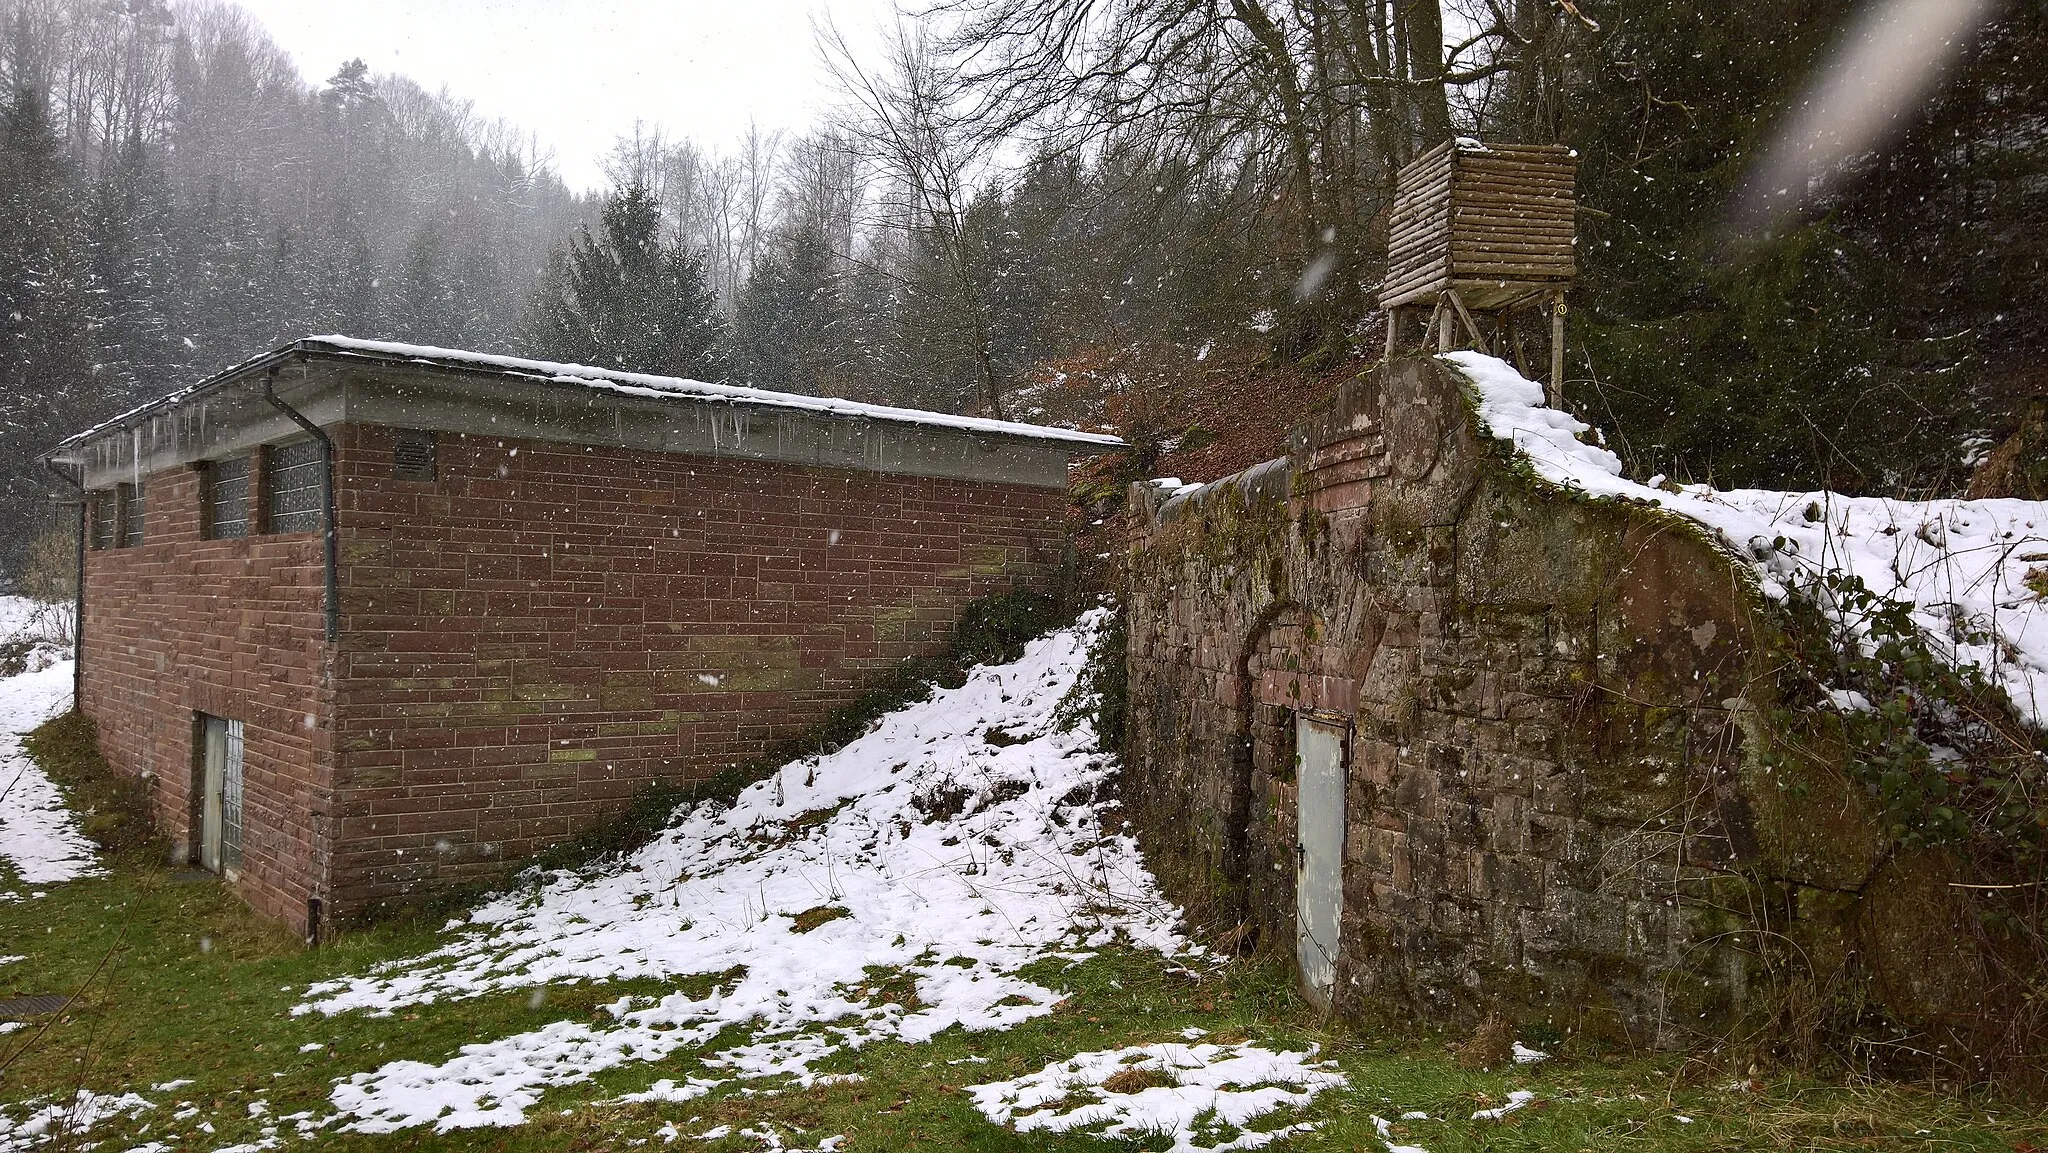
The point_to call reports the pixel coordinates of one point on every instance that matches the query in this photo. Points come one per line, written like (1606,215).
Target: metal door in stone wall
(1319,857)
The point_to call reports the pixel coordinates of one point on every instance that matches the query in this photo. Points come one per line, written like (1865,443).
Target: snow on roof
(644,384)
(615,381)
(1955,561)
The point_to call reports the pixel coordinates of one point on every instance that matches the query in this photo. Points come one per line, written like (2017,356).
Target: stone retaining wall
(1556,807)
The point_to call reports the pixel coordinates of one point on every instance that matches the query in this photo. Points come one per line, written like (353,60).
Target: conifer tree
(790,328)
(128,265)
(422,307)
(626,298)
(45,376)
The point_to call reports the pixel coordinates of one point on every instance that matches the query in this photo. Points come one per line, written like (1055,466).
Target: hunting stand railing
(1483,230)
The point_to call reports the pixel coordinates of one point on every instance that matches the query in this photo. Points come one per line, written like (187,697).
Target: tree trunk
(1420,26)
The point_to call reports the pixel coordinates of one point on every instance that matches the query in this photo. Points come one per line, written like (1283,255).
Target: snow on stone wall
(1962,564)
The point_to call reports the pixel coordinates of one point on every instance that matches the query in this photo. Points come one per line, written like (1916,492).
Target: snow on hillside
(958,841)
(1961,564)
(40,840)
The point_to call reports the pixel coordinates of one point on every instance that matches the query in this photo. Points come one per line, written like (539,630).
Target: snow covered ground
(957,842)
(40,841)
(1961,564)
(884,893)
(1193,1092)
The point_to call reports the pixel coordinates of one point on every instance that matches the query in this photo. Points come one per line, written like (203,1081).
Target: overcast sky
(577,73)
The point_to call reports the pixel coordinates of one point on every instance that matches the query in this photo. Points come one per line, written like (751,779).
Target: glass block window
(291,484)
(231,799)
(227,499)
(103,514)
(134,506)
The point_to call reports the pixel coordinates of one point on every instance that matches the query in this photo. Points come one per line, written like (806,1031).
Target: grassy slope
(180,981)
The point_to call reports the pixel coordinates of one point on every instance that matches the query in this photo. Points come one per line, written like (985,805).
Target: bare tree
(1343,91)
(904,121)
(822,189)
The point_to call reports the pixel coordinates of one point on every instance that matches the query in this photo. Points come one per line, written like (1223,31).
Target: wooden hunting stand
(1481,230)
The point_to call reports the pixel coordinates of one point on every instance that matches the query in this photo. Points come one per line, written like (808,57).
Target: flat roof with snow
(338,379)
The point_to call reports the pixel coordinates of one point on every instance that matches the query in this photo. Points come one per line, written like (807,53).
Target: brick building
(369,618)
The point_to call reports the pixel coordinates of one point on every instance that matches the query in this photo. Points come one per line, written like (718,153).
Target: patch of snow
(1516,1100)
(64,1122)
(1215,1091)
(957,862)
(1848,701)
(1173,486)
(1385,1129)
(1960,564)
(40,839)
(667,1090)
(1524,1055)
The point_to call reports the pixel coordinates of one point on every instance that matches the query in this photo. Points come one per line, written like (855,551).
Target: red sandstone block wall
(179,625)
(543,630)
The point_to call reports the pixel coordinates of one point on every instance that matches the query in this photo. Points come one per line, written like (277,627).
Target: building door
(220,796)
(1319,868)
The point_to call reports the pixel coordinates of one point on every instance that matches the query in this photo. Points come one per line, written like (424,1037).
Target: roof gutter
(308,348)
(270,361)
(328,530)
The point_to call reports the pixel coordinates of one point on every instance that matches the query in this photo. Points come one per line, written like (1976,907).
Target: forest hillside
(1148,191)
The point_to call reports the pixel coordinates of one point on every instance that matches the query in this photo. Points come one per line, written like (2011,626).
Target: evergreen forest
(1012,186)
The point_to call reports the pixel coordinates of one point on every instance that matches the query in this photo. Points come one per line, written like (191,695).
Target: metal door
(220,804)
(1319,869)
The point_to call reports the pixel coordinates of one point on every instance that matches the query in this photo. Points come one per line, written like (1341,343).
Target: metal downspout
(315,902)
(77,589)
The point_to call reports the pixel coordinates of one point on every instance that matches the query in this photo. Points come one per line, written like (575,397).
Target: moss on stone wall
(1580,793)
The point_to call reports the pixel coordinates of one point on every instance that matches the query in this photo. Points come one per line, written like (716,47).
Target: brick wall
(536,635)
(178,626)
(1556,808)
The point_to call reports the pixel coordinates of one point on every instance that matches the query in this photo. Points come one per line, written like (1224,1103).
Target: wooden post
(1444,322)
(1393,329)
(1556,389)
(1471,325)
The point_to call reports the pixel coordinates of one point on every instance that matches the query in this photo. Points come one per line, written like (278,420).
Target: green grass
(176,979)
